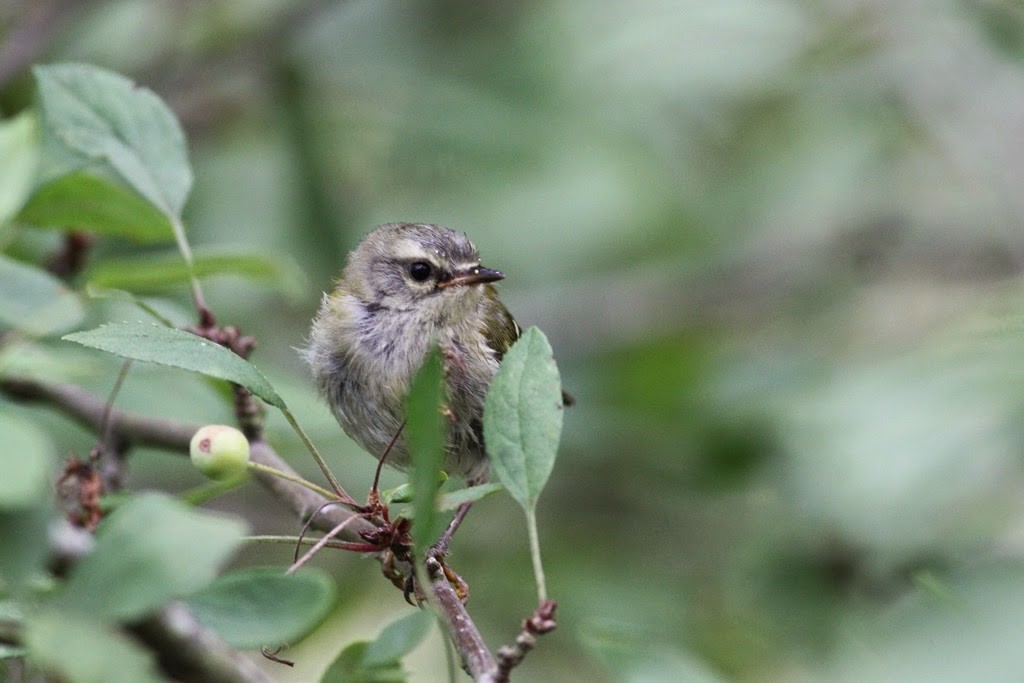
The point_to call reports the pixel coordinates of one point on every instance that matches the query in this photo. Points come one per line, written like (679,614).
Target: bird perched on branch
(405,287)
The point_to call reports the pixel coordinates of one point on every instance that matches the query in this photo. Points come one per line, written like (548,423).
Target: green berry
(220,452)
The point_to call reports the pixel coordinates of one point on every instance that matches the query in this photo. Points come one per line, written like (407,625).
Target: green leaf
(23,546)
(398,639)
(95,292)
(470,494)
(178,349)
(349,667)
(523,417)
(35,302)
(259,606)
(96,117)
(85,201)
(147,551)
(403,493)
(157,272)
(446,501)
(26,460)
(19,149)
(80,650)
(424,432)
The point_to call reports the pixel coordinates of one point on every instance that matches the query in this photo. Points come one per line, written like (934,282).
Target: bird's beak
(472,276)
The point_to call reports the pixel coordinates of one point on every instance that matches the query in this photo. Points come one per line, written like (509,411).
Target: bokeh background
(776,245)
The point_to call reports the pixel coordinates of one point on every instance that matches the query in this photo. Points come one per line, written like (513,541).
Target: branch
(88,410)
(185,648)
(470,645)
(540,622)
(188,650)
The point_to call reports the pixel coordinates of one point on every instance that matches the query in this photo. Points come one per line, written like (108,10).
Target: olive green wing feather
(504,332)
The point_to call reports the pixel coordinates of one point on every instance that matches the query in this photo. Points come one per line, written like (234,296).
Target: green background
(775,244)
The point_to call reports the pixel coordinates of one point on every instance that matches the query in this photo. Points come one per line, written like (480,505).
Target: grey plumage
(375,327)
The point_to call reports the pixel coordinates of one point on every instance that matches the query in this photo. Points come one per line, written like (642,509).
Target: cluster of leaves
(104,157)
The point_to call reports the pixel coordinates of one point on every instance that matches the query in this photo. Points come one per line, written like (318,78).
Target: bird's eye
(420,271)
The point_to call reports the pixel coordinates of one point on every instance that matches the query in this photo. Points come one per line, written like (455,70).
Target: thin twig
(104,428)
(540,622)
(88,410)
(470,645)
(188,650)
(329,536)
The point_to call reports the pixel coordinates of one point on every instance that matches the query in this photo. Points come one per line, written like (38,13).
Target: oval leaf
(35,302)
(95,116)
(254,607)
(398,639)
(523,417)
(349,667)
(84,651)
(85,201)
(178,349)
(149,550)
(157,272)
(19,149)
(26,461)
(424,433)
(470,494)
(22,554)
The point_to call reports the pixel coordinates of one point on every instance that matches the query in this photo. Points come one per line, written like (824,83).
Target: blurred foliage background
(776,245)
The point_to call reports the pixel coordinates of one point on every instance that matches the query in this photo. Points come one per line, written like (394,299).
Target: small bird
(405,287)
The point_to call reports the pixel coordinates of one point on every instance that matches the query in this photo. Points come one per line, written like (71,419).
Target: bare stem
(205,316)
(292,540)
(538,568)
(470,645)
(318,545)
(290,476)
(341,494)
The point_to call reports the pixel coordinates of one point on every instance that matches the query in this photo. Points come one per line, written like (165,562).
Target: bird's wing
(504,333)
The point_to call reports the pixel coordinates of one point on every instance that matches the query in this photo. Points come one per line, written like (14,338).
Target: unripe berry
(220,452)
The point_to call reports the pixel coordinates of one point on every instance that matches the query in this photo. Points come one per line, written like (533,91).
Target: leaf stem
(538,568)
(294,478)
(339,492)
(208,491)
(186,254)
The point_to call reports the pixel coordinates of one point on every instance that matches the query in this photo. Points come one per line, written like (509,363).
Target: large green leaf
(398,639)
(523,417)
(178,349)
(379,661)
(86,201)
(26,460)
(259,606)
(157,272)
(19,150)
(35,302)
(350,667)
(81,650)
(424,432)
(149,550)
(23,549)
(95,117)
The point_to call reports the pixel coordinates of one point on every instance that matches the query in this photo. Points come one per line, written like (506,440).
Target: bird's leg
(440,549)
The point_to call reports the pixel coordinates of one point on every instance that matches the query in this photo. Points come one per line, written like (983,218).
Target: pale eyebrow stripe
(409,250)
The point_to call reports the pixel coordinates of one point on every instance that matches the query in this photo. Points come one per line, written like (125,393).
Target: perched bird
(405,287)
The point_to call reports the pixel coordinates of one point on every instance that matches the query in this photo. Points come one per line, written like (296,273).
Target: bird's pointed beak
(472,276)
